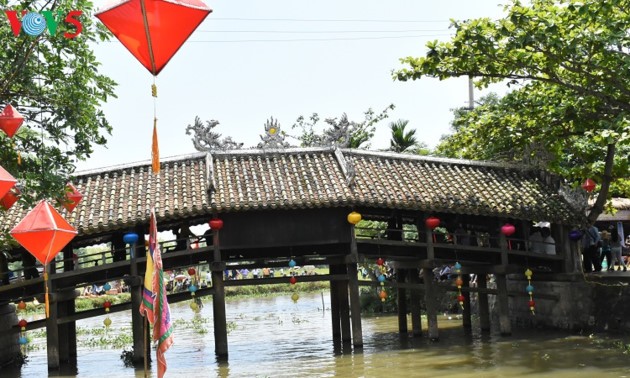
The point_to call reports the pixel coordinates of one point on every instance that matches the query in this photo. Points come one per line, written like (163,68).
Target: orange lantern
(10,120)
(354,218)
(153,30)
(6,182)
(73,197)
(10,198)
(43,233)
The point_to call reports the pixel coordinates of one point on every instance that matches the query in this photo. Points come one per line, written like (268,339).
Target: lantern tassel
(155,151)
(46,300)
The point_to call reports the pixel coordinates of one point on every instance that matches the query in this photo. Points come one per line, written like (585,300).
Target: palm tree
(402,141)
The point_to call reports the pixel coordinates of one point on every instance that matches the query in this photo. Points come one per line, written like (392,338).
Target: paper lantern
(73,197)
(191,271)
(589,185)
(508,229)
(43,232)
(10,120)
(130,238)
(10,198)
(6,182)
(354,218)
(380,261)
(216,224)
(22,324)
(432,222)
(167,24)
(293,280)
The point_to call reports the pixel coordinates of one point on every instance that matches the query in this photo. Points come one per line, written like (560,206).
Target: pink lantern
(10,120)
(508,229)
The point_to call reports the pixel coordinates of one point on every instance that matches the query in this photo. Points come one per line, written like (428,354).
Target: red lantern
(383,295)
(508,229)
(380,262)
(107,304)
(23,323)
(168,23)
(589,185)
(191,271)
(10,120)
(43,232)
(531,303)
(460,298)
(216,224)
(21,305)
(10,198)
(292,280)
(6,182)
(432,222)
(73,197)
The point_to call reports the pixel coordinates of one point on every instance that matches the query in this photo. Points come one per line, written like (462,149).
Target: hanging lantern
(107,305)
(22,340)
(589,185)
(508,229)
(381,279)
(43,233)
(459,282)
(354,218)
(107,287)
(292,280)
(192,288)
(295,297)
(380,262)
(383,295)
(194,306)
(130,238)
(575,235)
(107,322)
(21,306)
(10,120)
(530,290)
(6,182)
(22,324)
(10,198)
(216,224)
(73,197)
(191,271)
(292,263)
(432,222)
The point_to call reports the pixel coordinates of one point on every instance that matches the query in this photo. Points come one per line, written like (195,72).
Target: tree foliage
(54,83)
(570,105)
(402,140)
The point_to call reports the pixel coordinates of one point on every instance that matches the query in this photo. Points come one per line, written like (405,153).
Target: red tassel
(46,301)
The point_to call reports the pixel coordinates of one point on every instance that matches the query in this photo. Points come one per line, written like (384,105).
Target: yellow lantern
(354,218)
(107,322)
(295,297)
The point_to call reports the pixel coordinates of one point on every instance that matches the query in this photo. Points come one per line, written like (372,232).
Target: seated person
(548,243)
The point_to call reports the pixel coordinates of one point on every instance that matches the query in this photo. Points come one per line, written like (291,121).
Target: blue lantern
(192,288)
(575,235)
(107,286)
(529,289)
(292,263)
(381,278)
(130,238)
(22,340)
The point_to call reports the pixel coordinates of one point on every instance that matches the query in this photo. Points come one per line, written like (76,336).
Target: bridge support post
(402,302)
(502,296)
(344,308)
(416,316)
(67,331)
(466,315)
(429,297)
(484,308)
(218,302)
(335,313)
(138,322)
(353,288)
(52,330)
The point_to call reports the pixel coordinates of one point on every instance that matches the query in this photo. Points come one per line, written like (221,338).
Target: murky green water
(273,337)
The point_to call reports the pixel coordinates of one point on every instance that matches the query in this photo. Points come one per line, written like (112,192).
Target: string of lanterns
(22,339)
(530,291)
(193,289)
(293,280)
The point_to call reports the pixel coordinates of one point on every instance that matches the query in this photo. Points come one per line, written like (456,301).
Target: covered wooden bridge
(284,204)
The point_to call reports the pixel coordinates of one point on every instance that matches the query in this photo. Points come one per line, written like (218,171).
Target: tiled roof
(242,180)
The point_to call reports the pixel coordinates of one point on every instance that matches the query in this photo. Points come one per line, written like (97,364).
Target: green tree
(402,140)
(567,61)
(54,83)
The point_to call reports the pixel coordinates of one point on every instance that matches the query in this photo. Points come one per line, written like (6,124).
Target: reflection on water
(273,337)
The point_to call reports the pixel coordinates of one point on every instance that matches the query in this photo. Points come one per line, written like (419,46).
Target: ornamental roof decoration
(274,137)
(205,139)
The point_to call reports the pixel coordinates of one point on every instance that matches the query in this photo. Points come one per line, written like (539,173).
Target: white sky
(251,60)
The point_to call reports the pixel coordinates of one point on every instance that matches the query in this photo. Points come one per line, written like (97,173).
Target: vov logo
(34,23)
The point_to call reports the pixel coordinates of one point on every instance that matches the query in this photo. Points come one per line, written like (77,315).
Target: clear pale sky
(251,60)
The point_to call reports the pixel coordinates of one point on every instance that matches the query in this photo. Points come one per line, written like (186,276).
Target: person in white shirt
(549,244)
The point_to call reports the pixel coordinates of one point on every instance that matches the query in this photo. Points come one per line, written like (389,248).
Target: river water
(274,337)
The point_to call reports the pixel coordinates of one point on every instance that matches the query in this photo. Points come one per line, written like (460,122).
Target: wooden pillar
(401,275)
(353,288)
(502,293)
(67,331)
(136,285)
(344,308)
(218,302)
(52,330)
(334,306)
(466,315)
(482,301)
(416,316)
(429,287)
